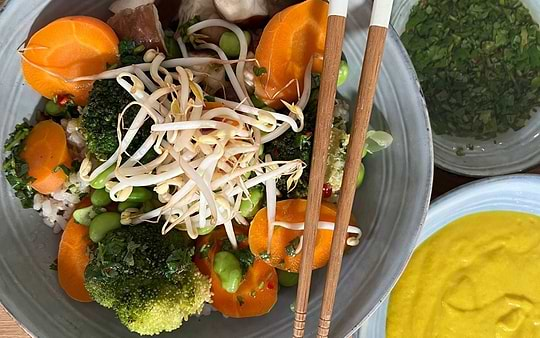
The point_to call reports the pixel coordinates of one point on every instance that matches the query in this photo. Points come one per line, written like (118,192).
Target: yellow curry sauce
(477,277)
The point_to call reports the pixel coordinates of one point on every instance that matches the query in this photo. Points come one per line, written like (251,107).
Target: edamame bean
(229,271)
(343,72)
(101,179)
(205,230)
(52,108)
(230,44)
(102,224)
(287,278)
(84,216)
(148,206)
(123,206)
(252,203)
(100,198)
(140,194)
(361,175)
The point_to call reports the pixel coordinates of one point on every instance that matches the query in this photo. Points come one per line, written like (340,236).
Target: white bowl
(511,152)
(509,193)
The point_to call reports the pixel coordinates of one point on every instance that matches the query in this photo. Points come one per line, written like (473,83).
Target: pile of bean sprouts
(207,159)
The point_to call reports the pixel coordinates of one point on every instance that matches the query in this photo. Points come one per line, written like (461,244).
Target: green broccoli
(293,145)
(148,279)
(100,119)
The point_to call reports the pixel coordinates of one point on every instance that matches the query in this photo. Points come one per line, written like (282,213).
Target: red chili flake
(326,190)
(62,100)
(270,285)
(275,153)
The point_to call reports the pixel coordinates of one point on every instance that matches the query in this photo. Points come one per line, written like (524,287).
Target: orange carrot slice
(44,151)
(73,259)
(288,42)
(257,293)
(69,47)
(281,254)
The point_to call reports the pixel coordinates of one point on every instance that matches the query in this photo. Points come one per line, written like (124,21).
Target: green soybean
(253,203)
(140,194)
(230,44)
(343,72)
(361,174)
(84,216)
(99,182)
(102,224)
(100,198)
(53,109)
(287,278)
(148,206)
(206,230)
(123,206)
(229,270)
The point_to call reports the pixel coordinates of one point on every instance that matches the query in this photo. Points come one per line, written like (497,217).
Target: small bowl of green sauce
(478,63)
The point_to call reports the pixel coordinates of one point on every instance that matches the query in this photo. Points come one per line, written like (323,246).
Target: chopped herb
(293,245)
(209,98)
(261,286)
(253,293)
(258,71)
(62,167)
(478,67)
(265,256)
(184,26)
(240,300)
(54,265)
(241,237)
(15,168)
(204,250)
(130,52)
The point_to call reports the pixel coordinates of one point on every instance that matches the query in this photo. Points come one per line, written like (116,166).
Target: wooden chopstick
(380,18)
(327,94)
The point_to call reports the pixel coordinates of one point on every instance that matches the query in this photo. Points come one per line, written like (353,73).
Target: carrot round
(67,48)
(282,254)
(288,42)
(45,151)
(73,259)
(257,293)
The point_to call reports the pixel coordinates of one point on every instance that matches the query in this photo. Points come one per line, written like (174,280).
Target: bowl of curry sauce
(476,269)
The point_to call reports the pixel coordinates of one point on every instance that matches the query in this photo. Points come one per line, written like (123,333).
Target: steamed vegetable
(46,154)
(257,292)
(15,168)
(73,259)
(100,119)
(148,279)
(67,48)
(289,41)
(286,243)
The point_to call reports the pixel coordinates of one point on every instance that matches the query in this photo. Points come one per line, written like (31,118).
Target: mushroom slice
(119,5)
(140,24)
(240,11)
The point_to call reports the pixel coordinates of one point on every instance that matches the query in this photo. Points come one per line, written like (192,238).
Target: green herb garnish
(130,52)
(15,168)
(291,248)
(478,62)
(258,71)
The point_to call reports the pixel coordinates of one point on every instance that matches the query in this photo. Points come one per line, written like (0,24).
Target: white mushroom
(119,5)
(241,10)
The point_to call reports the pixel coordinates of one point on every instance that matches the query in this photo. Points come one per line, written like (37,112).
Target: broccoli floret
(100,119)
(292,145)
(148,279)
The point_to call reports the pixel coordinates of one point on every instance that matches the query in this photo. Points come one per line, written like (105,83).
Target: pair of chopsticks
(378,28)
